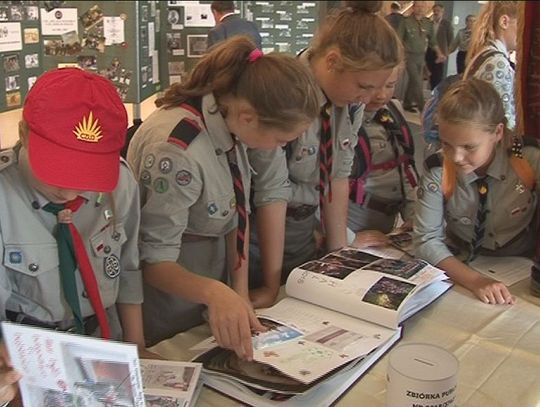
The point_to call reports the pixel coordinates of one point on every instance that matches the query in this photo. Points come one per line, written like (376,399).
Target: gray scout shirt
(511,209)
(29,275)
(385,184)
(302,159)
(185,190)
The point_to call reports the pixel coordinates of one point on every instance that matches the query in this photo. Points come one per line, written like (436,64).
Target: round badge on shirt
(111,265)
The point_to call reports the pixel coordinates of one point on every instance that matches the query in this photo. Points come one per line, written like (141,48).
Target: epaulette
(184,133)
(7,158)
(433,161)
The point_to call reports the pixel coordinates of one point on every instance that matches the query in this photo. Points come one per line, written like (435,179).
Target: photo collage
(20,59)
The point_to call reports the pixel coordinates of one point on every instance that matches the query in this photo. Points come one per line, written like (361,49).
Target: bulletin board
(185,25)
(285,26)
(20,51)
(115,39)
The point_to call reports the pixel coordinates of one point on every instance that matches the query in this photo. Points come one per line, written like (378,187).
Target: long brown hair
(279,88)
(486,25)
(365,40)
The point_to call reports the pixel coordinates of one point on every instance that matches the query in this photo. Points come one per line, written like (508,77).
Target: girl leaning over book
(482,187)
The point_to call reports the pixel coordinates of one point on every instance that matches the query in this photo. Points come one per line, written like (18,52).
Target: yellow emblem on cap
(88,129)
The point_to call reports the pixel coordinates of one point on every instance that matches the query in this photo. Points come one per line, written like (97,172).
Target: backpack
(398,129)
(429,127)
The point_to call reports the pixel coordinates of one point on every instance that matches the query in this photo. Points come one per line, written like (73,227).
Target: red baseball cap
(77,124)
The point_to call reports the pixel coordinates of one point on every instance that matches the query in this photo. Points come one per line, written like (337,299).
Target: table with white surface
(498,347)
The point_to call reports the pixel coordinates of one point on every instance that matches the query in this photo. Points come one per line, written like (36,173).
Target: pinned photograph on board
(176,68)
(4,13)
(31,35)
(13,83)
(13,99)
(59,48)
(31,81)
(31,61)
(16,12)
(173,42)
(173,17)
(11,63)
(388,293)
(87,62)
(197,45)
(91,17)
(94,38)
(144,13)
(32,13)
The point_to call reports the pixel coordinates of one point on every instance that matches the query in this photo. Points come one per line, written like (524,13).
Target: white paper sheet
(198,15)
(507,270)
(113,30)
(10,37)
(59,21)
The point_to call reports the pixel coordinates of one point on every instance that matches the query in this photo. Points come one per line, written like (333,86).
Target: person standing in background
(461,43)
(495,35)
(229,24)
(416,33)
(395,16)
(444,35)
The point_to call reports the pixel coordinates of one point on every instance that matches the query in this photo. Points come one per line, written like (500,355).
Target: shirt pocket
(520,207)
(214,216)
(33,270)
(303,163)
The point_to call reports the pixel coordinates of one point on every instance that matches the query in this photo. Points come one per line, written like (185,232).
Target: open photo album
(341,314)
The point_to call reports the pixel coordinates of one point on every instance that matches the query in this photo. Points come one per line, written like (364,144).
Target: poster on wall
(59,21)
(198,15)
(10,37)
(197,45)
(113,30)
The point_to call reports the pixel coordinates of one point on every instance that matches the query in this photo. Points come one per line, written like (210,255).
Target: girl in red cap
(70,213)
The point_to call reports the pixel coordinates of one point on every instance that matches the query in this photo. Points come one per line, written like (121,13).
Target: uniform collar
(226,15)
(215,125)
(368,116)
(497,169)
(499,45)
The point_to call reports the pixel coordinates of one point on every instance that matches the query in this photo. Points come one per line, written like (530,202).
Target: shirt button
(33,267)
(84,294)
(116,236)
(503,177)
(224,213)
(219,151)
(4,158)
(107,249)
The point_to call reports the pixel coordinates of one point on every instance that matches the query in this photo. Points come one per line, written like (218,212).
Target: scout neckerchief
(325,157)
(72,253)
(240,196)
(481,217)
